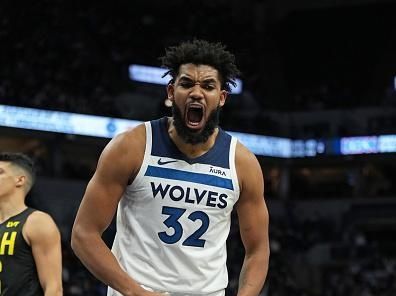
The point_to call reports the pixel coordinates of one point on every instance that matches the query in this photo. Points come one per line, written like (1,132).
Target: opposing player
(30,247)
(175,182)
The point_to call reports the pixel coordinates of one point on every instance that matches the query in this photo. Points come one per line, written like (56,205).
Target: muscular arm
(253,222)
(119,160)
(42,234)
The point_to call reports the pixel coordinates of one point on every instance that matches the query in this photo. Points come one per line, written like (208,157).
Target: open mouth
(194,115)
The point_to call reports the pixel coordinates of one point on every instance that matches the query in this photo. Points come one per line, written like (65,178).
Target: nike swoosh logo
(160,162)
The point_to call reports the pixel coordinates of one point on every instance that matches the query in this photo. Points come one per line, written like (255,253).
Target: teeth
(194,115)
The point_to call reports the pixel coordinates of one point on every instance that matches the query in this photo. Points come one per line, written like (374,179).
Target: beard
(190,136)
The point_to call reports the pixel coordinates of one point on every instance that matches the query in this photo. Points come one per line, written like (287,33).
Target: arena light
(266,146)
(368,144)
(106,127)
(307,148)
(63,122)
(154,75)
(387,143)
(394,83)
(359,145)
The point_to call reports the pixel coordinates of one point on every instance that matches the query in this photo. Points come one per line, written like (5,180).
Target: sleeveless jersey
(174,219)
(18,274)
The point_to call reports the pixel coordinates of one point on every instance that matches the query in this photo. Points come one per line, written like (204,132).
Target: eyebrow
(206,80)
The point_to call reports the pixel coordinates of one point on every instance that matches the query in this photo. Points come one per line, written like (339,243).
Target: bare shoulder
(133,140)
(245,159)
(38,217)
(124,153)
(248,169)
(40,225)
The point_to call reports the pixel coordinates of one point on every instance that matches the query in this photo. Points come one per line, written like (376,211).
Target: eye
(186,84)
(209,86)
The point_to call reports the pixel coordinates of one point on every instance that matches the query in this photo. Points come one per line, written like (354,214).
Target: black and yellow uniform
(18,273)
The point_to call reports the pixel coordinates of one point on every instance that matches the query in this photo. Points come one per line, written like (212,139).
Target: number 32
(194,240)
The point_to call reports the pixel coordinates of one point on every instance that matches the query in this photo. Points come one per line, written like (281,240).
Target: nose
(196,91)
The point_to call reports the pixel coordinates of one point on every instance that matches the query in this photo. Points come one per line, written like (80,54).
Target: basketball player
(30,247)
(175,182)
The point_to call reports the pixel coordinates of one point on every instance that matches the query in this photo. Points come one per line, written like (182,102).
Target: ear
(223,97)
(170,89)
(20,181)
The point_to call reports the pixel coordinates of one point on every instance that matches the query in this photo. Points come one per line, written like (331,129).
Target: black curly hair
(201,52)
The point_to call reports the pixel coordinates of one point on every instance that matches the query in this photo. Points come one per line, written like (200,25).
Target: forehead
(198,72)
(4,165)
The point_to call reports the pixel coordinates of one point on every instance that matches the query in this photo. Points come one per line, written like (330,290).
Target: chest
(10,234)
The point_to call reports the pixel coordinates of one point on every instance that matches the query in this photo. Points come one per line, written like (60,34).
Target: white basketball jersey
(174,219)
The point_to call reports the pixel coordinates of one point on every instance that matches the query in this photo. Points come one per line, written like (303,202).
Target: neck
(191,150)
(10,206)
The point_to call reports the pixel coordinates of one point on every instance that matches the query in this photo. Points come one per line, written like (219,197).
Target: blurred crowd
(75,58)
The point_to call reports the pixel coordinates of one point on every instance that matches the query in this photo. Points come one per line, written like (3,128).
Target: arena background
(320,74)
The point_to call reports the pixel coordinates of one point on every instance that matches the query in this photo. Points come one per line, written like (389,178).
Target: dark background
(311,69)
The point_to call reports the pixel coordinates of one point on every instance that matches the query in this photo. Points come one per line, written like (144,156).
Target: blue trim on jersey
(163,146)
(167,173)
